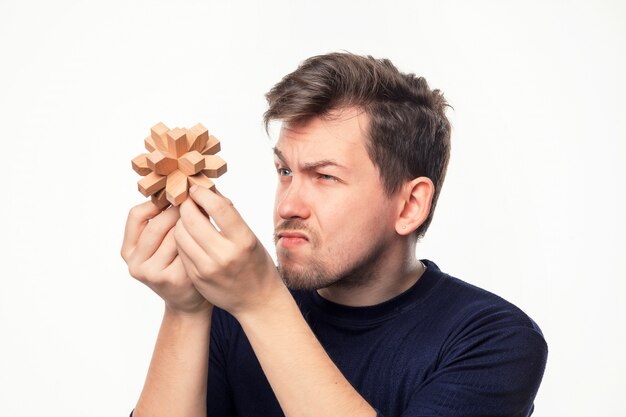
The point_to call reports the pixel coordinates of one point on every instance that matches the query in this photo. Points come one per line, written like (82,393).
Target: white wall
(532,209)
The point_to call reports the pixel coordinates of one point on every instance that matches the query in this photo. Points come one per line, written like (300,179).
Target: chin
(303,279)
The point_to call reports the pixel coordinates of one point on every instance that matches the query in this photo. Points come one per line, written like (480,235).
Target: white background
(533,207)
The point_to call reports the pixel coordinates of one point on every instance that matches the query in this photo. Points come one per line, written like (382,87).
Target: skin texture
(176,380)
(331,216)
(331,195)
(150,250)
(325,177)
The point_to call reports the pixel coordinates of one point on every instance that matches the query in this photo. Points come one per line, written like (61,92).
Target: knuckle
(249,244)
(205,270)
(151,272)
(220,261)
(223,205)
(190,223)
(135,271)
(135,213)
(231,262)
(159,281)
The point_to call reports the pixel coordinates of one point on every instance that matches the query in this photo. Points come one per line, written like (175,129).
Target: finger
(187,264)
(216,191)
(165,253)
(191,262)
(194,275)
(153,234)
(222,211)
(199,227)
(137,220)
(176,263)
(192,248)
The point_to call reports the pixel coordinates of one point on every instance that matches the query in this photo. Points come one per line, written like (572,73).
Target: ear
(415,198)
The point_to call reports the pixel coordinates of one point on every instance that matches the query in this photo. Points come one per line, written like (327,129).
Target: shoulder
(490,352)
(484,321)
(467,304)
(484,325)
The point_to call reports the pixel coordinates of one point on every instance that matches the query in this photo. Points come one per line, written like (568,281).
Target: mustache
(298,225)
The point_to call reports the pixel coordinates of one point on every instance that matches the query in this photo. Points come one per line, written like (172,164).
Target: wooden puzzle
(178,159)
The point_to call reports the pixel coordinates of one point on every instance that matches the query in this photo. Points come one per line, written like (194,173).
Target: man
(351,323)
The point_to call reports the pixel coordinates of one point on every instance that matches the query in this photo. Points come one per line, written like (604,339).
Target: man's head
(408,131)
(361,157)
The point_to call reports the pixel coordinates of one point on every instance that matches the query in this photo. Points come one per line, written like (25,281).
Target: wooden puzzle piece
(178,159)
(159,136)
(151,183)
(197,138)
(140,164)
(191,163)
(215,166)
(201,181)
(160,199)
(177,142)
(212,147)
(161,163)
(176,187)
(149,144)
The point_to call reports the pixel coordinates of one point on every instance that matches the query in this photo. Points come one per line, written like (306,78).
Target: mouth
(291,239)
(292,235)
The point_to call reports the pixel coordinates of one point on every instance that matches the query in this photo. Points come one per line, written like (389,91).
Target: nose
(291,201)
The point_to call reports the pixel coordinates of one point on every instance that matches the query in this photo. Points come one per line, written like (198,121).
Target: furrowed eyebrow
(312,166)
(279,154)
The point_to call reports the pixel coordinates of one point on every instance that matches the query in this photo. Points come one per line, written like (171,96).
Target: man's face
(332,219)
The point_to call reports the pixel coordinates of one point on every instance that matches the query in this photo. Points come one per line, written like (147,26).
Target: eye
(284,172)
(326,177)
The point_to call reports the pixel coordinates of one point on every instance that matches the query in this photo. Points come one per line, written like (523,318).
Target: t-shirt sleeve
(492,366)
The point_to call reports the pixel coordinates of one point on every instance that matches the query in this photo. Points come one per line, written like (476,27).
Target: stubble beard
(322,272)
(311,277)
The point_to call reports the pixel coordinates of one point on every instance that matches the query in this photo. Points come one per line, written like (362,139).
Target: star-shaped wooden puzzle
(178,159)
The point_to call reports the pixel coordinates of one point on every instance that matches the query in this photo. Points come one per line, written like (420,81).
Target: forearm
(304,379)
(176,383)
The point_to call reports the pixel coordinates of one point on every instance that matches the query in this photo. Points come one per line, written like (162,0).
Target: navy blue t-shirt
(442,348)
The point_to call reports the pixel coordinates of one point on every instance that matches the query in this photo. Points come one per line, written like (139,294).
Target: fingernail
(193,188)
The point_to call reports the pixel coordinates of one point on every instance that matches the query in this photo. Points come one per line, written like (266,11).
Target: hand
(229,267)
(149,249)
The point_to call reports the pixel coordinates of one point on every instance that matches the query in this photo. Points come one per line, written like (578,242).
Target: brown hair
(409,133)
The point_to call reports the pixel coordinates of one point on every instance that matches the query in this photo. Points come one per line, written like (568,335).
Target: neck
(393,271)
